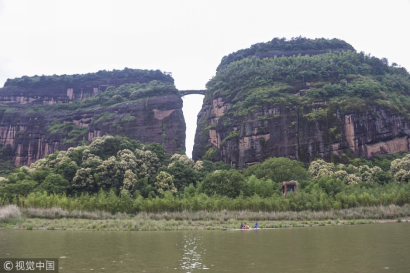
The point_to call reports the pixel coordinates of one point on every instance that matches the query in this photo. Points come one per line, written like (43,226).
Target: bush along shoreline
(13,217)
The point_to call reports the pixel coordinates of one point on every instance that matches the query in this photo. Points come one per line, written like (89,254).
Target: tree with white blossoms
(320,168)
(109,173)
(346,177)
(102,144)
(400,169)
(26,169)
(368,174)
(84,179)
(341,174)
(182,159)
(56,158)
(127,163)
(199,165)
(165,183)
(3,180)
(349,174)
(38,164)
(76,153)
(147,163)
(352,179)
(130,179)
(90,160)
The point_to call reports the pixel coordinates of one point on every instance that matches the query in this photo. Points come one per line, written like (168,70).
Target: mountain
(303,99)
(42,114)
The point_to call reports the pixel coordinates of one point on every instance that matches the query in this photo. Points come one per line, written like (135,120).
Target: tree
(183,175)
(400,169)
(278,169)
(105,146)
(84,180)
(109,174)
(165,183)
(40,174)
(147,163)
(67,169)
(23,187)
(261,187)
(160,151)
(320,168)
(55,183)
(129,180)
(226,183)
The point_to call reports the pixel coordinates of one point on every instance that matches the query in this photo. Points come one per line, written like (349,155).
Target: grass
(10,215)
(59,219)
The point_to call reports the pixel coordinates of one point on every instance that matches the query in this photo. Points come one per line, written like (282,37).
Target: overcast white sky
(185,37)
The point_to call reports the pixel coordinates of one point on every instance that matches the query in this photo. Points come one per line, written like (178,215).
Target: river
(358,248)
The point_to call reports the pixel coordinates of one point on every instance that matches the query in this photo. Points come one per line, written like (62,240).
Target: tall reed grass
(188,220)
(10,214)
(376,212)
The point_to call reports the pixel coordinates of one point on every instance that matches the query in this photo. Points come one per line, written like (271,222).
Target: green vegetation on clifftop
(135,75)
(283,47)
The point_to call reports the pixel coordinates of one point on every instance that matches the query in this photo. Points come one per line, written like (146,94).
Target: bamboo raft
(232,229)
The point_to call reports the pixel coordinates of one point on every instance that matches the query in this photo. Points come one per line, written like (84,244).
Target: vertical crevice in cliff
(297,133)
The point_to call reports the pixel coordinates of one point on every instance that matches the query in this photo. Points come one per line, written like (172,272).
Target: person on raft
(256,224)
(243,226)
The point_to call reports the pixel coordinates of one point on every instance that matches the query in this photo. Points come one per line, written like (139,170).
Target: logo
(8,266)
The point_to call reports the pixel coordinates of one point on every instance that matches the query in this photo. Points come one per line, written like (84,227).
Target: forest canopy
(134,75)
(120,174)
(284,47)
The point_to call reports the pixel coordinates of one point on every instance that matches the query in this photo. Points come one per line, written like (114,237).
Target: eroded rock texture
(303,99)
(26,133)
(289,132)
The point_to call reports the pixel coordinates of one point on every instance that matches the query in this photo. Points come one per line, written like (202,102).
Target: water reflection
(193,253)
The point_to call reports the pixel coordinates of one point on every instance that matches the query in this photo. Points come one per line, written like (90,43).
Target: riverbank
(162,225)
(57,219)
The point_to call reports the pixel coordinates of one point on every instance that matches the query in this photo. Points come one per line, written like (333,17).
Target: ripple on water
(192,253)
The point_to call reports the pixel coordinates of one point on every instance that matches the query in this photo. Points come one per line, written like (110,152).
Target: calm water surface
(363,248)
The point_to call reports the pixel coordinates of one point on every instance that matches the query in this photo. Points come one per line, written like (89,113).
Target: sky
(185,37)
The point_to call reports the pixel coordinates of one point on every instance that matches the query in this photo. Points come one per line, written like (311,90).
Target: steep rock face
(335,104)
(286,131)
(158,119)
(33,125)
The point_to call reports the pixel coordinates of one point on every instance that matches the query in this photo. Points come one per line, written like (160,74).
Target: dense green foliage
(338,77)
(109,163)
(333,76)
(135,75)
(280,46)
(117,174)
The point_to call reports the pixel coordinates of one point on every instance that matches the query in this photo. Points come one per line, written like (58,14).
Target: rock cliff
(36,121)
(334,105)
